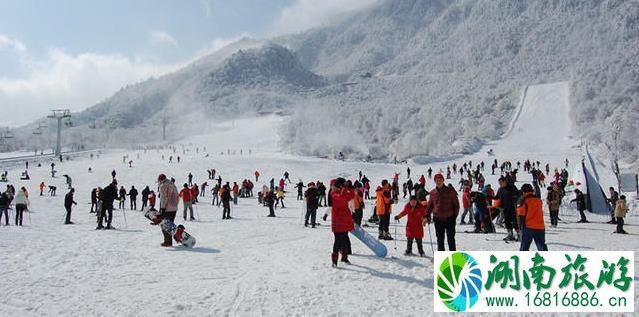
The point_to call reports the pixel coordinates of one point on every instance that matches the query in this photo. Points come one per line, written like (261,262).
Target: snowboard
(178,233)
(153,215)
(375,245)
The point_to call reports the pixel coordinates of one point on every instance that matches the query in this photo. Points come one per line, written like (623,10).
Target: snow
(253,265)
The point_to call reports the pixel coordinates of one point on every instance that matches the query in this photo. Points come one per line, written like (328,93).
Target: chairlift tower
(59,114)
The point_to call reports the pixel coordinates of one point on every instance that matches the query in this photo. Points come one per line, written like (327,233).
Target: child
(620,212)
(414,226)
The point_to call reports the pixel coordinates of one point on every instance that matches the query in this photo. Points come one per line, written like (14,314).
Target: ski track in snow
(254,265)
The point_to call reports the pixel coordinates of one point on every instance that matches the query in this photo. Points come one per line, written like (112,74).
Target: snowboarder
(414,226)
(531,220)
(68,204)
(168,205)
(341,221)
(443,205)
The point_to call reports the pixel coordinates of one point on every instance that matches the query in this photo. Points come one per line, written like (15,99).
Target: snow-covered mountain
(401,79)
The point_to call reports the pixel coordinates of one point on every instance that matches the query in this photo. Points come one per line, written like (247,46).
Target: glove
(325,216)
(397,218)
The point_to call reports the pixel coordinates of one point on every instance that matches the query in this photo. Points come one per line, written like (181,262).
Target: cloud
(14,44)
(62,80)
(162,38)
(306,14)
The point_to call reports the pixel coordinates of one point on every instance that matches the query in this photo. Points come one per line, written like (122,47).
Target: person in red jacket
(466,204)
(414,226)
(443,205)
(341,220)
(185,193)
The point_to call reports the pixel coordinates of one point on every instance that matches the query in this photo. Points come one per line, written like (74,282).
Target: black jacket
(108,195)
(311,198)
(68,200)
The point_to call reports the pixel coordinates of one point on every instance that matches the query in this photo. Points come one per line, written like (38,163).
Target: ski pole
(395,240)
(430,236)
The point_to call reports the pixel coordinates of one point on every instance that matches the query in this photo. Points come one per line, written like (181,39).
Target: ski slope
(253,265)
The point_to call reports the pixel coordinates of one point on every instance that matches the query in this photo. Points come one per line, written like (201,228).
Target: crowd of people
(518,209)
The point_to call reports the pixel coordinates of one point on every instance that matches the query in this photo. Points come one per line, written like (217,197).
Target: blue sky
(74,53)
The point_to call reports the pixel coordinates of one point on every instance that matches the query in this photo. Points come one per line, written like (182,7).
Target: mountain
(401,79)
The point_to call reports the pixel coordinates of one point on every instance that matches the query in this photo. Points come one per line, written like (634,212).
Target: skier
(614,196)
(42,186)
(358,203)
(341,220)
(21,201)
(203,188)
(225,196)
(407,172)
(168,205)
(236,192)
(190,177)
(68,180)
(113,174)
(531,220)
(145,196)
(187,201)
(621,209)
(152,199)
(466,204)
(269,200)
(443,205)
(286,178)
(122,197)
(311,204)
(384,208)
(257,176)
(553,200)
(414,226)
(133,196)
(280,196)
(94,200)
(581,205)
(107,196)
(215,201)
(321,191)
(5,200)
(68,203)
(300,190)
(506,200)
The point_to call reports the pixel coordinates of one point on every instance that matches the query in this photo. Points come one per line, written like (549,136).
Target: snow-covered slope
(250,265)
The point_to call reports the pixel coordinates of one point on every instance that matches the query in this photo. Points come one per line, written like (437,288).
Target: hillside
(400,79)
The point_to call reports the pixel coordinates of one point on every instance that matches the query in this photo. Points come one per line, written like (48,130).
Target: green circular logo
(459,282)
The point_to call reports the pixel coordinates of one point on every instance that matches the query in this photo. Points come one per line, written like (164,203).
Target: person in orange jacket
(42,186)
(257,176)
(383,207)
(187,201)
(531,220)
(414,226)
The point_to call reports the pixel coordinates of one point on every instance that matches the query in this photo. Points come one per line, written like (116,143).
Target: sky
(74,53)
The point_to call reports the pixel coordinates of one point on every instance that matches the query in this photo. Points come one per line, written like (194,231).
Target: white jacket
(20,198)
